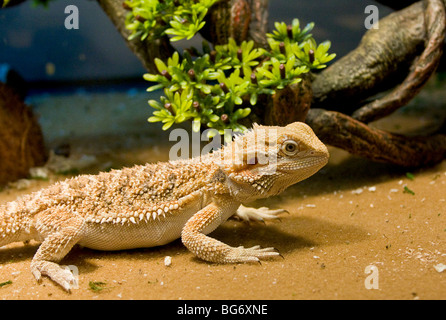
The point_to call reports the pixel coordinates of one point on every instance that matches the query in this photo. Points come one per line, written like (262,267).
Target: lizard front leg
(62,231)
(210,249)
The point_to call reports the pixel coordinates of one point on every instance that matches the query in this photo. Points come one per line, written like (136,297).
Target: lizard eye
(290,147)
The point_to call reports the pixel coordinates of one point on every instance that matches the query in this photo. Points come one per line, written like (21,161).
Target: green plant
(2,284)
(155,18)
(97,286)
(214,88)
(289,40)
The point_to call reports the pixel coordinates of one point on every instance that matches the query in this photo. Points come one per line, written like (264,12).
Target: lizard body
(154,204)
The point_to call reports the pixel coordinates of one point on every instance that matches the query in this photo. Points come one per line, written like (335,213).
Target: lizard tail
(14,224)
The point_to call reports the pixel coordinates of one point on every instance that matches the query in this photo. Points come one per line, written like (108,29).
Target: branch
(237,19)
(421,71)
(380,62)
(342,131)
(289,104)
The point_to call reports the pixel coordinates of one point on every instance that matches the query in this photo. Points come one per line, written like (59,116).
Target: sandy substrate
(355,230)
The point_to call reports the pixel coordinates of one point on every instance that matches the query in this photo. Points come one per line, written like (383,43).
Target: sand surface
(355,230)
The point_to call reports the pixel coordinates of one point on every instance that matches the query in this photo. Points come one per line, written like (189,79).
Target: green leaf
(253,98)
(297,80)
(308,28)
(410,176)
(173,61)
(134,36)
(97,286)
(155,87)
(212,133)
(323,48)
(241,113)
(154,119)
(238,100)
(155,104)
(160,65)
(407,190)
(2,284)
(178,38)
(196,124)
(167,125)
(144,35)
(206,89)
(151,77)
(265,73)
(214,118)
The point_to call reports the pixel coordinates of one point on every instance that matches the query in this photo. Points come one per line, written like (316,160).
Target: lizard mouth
(306,166)
(315,161)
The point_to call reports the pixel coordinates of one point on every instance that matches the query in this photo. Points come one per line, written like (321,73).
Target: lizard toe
(253,254)
(62,276)
(258,214)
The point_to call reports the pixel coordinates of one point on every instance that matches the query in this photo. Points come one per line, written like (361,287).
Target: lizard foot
(62,276)
(210,249)
(253,254)
(257,214)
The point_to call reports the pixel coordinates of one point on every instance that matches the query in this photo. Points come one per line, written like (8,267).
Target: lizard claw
(36,273)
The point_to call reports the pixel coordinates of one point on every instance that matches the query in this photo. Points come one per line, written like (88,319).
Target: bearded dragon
(154,204)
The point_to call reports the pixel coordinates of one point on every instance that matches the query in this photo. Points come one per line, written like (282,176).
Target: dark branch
(421,71)
(238,19)
(380,62)
(342,131)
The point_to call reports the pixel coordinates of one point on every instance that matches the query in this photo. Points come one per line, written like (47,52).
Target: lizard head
(268,159)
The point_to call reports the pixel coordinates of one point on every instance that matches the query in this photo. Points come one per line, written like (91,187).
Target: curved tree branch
(237,19)
(381,61)
(421,71)
(342,131)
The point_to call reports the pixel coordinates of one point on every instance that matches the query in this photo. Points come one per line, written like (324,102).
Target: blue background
(33,38)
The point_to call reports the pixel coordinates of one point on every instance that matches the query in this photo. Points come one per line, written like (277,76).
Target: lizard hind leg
(56,245)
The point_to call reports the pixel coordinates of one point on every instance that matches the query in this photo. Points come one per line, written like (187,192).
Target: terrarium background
(31,38)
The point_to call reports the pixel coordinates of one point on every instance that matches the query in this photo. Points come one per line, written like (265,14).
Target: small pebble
(440,267)
(167,261)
